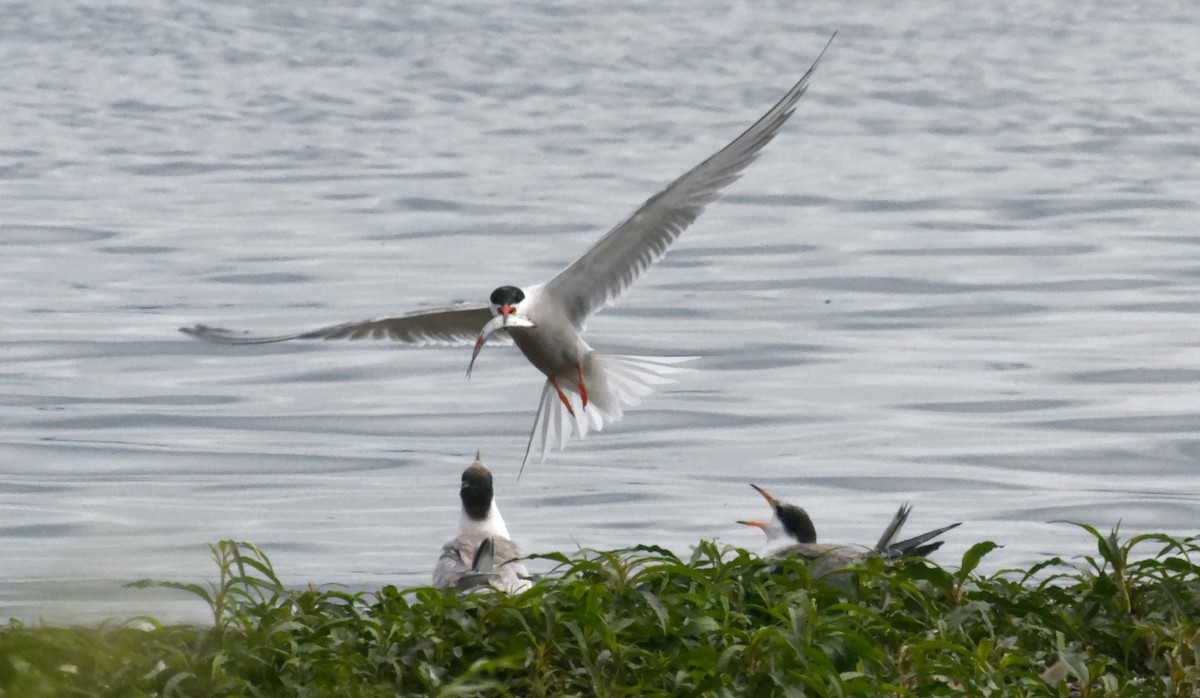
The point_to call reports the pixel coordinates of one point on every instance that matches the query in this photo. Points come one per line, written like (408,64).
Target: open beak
(752,522)
(766,495)
(507,318)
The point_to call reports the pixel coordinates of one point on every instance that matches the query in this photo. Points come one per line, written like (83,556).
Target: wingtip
(828,43)
(817,60)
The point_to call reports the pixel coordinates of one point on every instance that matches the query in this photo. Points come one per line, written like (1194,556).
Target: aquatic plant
(642,621)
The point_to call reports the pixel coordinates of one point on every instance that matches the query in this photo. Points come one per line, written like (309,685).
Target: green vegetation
(644,622)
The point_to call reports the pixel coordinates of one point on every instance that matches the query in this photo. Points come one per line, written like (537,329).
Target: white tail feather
(613,383)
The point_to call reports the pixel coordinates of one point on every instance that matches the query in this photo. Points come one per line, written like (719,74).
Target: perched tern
(481,553)
(584,389)
(790,533)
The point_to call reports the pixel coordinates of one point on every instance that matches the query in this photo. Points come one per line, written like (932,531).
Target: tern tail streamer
(613,382)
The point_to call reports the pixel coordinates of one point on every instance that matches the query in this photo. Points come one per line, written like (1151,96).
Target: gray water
(966,275)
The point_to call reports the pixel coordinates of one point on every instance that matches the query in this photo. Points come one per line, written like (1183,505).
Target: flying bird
(584,389)
(790,533)
(482,553)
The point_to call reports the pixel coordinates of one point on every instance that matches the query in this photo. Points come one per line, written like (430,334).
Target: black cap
(796,522)
(507,295)
(476,491)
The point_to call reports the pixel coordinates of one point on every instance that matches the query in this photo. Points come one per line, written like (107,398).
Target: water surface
(965,275)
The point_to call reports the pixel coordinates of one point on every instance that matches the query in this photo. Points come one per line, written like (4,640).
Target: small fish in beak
(501,322)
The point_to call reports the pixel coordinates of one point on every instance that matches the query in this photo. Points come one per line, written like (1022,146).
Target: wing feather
(455,326)
(452,563)
(611,265)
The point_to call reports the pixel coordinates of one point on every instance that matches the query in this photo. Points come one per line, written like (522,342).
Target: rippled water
(965,275)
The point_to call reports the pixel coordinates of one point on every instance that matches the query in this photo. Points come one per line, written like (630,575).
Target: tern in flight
(546,321)
(790,533)
(482,553)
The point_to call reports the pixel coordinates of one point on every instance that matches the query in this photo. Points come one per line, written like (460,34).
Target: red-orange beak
(506,310)
(766,495)
(752,522)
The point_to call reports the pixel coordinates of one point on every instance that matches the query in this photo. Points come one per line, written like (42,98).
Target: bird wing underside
(614,262)
(457,326)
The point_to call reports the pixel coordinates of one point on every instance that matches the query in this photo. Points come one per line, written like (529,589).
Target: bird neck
(490,525)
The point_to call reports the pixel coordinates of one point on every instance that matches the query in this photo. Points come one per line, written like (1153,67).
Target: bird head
(508,304)
(789,523)
(476,491)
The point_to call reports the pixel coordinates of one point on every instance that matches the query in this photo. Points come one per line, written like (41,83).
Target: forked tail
(612,382)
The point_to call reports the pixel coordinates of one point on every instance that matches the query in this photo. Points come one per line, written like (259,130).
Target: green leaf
(657,606)
(701,625)
(972,558)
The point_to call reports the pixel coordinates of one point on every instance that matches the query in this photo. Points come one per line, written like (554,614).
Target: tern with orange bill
(584,389)
(790,533)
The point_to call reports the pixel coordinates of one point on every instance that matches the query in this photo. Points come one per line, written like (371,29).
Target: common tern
(546,321)
(481,553)
(790,533)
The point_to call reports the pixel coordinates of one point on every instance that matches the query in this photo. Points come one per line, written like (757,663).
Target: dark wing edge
(485,557)
(455,326)
(614,262)
(918,546)
(893,528)
(480,573)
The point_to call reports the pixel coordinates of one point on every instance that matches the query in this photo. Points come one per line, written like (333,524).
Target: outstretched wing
(610,266)
(447,327)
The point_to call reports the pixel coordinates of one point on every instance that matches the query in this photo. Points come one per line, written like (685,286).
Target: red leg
(582,387)
(562,396)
